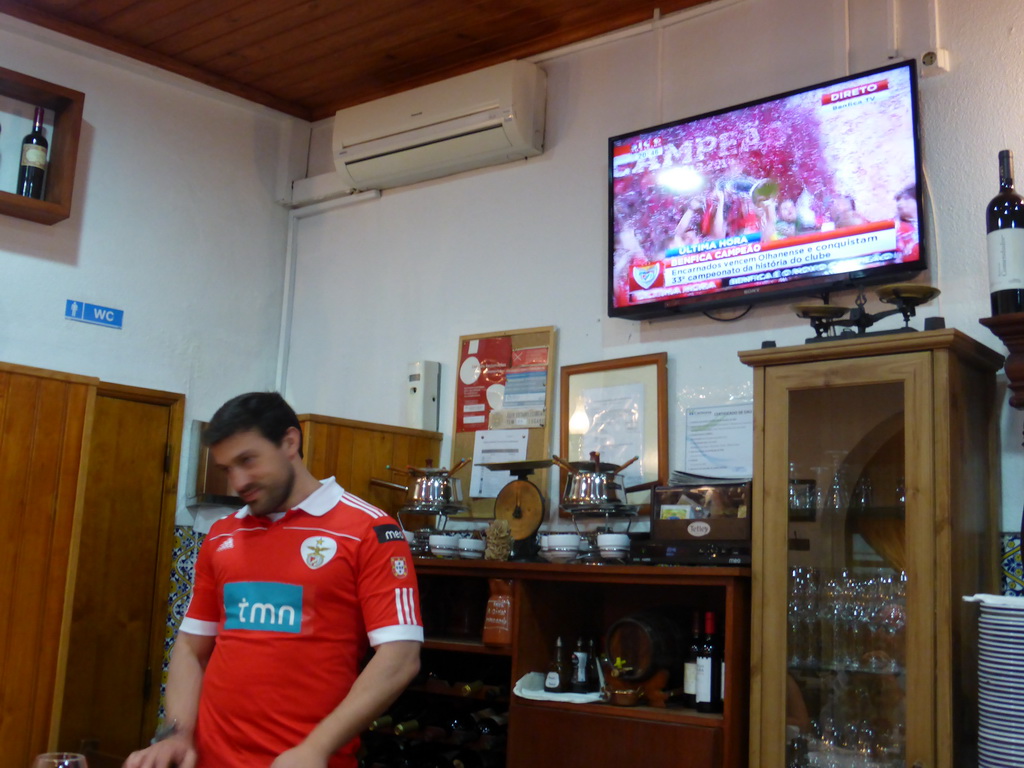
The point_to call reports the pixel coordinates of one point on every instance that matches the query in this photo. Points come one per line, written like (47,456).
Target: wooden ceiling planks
(315,57)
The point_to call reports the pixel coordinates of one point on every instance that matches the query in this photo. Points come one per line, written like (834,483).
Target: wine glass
(60,760)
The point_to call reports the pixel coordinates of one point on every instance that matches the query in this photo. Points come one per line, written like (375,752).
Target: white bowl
(471,549)
(563,541)
(444,545)
(614,553)
(613,541)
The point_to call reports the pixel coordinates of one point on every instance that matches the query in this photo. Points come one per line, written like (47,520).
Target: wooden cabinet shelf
(913,416)
(569,601)
(67,106)
(465,646)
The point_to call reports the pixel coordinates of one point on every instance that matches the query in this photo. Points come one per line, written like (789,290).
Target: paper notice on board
(480,389)
(525,400)
(496,446)
(720,440)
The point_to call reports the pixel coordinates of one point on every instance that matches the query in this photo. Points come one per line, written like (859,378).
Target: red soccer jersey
(294,603)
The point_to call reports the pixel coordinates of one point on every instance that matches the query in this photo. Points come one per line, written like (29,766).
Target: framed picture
(618,411)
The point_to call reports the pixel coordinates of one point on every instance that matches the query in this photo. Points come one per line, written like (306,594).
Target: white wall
(174,221)
(384,282)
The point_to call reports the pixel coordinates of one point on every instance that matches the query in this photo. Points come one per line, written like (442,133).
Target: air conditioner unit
(494,115)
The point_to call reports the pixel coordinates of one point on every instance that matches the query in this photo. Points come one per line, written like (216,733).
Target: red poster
(481,385)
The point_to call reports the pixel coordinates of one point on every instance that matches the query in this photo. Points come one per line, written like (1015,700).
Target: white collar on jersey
(318,503)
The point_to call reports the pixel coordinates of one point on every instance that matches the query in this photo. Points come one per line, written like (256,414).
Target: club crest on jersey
(317,551)
(399,568)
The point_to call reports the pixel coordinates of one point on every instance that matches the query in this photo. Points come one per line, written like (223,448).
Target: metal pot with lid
(430,490)
(594,484)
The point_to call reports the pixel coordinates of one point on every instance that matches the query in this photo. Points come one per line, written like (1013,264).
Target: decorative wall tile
(1013,568)
(183,569)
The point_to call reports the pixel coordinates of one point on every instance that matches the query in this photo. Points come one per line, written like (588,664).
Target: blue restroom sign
(93,313)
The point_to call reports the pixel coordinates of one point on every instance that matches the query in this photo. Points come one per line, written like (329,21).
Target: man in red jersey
(289,595)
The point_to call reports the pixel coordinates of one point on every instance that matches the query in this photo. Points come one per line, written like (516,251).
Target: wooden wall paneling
(354,452)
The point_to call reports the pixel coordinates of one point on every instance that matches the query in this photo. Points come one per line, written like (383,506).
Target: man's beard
(275,495)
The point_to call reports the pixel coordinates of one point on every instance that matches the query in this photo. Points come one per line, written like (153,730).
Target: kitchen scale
(520,503)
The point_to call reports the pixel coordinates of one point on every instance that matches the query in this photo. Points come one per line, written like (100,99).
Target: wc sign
(93,313)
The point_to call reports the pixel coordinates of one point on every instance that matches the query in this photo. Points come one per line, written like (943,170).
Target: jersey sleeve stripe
(357,503)
(405,606)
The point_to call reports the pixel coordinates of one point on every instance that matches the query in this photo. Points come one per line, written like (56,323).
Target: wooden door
(43,417)
(112,682)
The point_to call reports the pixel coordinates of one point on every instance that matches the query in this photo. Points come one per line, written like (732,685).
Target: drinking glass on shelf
(863,496)
(60,760)
(803,617)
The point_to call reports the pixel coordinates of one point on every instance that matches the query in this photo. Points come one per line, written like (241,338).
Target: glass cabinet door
(843,591)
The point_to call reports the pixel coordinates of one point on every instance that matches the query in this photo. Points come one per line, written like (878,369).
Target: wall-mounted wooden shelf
(66,106)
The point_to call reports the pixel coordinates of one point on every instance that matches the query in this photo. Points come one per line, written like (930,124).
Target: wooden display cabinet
(576,600)
(67,106)
(875,483)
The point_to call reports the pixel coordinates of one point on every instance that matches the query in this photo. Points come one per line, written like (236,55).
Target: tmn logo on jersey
(268,606)
(317,551)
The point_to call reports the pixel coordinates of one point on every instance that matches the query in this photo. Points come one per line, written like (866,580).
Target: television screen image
(810,191)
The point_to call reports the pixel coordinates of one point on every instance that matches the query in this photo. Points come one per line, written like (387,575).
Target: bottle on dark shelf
(32,171)
(472,758)
(690,663)
(709,668)
(478,689)
(490,722)
(382,722)
(578,679)
(593,674)
(557,677)
(1004,223)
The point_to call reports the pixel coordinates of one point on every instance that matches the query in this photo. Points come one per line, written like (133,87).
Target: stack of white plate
(1000,681)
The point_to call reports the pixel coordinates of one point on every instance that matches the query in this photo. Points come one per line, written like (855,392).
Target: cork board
(493,369)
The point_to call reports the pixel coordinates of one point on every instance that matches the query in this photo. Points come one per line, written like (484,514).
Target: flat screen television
(803,193)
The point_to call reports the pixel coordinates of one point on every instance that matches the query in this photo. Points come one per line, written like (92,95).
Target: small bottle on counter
(578,683)
(710,668)
(557,678)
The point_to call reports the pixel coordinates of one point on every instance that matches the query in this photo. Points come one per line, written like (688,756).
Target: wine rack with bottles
(67,106)
(573,601)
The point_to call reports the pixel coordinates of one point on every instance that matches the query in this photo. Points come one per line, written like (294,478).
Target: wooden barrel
(647,642)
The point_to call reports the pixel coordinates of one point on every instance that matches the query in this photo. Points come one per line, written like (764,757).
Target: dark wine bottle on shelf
(690,664)
(491,723)
(578,681)
(1004,222)
(709,668)
(592,673)
(557,678)
(32,171)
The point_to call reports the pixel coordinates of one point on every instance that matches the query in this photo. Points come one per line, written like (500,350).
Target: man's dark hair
(266,412)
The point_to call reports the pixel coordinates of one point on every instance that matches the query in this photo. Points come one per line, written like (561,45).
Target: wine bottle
(556,679)
(593,673)
(578,683)
(690,664)
(32,170)
(1004,222)
(490,723)
(709,669)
